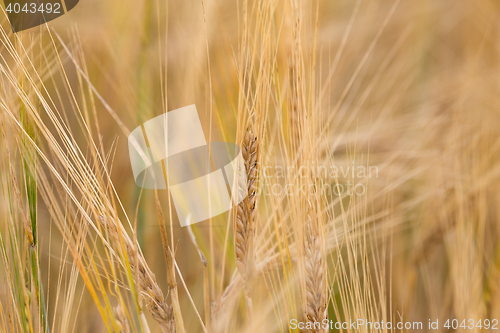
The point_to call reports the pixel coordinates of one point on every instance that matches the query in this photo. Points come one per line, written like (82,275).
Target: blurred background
(409,87)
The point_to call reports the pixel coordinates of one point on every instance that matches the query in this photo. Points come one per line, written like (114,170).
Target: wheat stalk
(315,279)
(295,77)
(245,215)
(294,103)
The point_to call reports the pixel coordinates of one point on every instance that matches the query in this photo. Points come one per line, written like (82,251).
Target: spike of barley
(121,319)
(315,278)
(245,214)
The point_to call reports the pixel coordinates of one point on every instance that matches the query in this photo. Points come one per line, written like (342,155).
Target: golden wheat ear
(315,293)
(121,319)
(245,215)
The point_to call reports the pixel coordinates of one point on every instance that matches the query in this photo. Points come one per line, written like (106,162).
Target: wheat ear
(150,292)
(315,278)
(121,319)
(245,216)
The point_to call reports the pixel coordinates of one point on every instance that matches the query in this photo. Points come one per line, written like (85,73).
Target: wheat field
(369,131)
